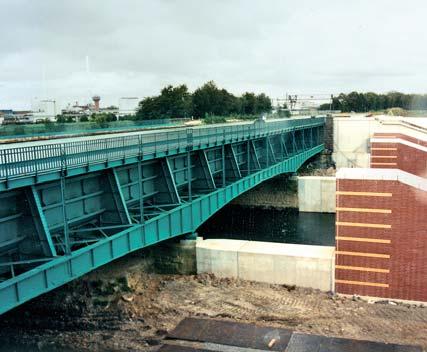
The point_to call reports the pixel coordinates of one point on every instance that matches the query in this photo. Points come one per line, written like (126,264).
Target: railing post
(63,160)
(124,151)
(87,154)
(35,161)
(223,164)
(155,144)
(106,152)
(189,173)
(5,164)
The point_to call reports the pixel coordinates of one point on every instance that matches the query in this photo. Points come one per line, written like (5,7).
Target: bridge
(68,207)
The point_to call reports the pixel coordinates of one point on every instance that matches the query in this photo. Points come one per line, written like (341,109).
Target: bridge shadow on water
(270,225)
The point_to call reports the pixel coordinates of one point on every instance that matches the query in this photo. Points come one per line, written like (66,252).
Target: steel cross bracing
(68,208)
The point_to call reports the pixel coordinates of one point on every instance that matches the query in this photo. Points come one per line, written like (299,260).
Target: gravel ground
(109,311)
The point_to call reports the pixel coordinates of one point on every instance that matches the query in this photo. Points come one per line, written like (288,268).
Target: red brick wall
(390,240)
(399,156)
(401,136)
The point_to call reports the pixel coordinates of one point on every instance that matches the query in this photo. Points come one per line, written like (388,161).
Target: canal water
(270,225)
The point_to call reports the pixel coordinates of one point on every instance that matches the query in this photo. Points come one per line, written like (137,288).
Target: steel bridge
(67,208)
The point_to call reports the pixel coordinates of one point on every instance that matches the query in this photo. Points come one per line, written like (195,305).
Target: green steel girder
(41,223)
(232,167)
(170,182)
(270,150)
(175,222)
(118,197)
(206,168)
(84,210)
(255,156)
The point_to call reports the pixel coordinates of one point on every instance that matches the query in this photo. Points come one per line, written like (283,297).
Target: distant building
(4,113)
(128,106)
(17,117)
(76,111)
(44,110)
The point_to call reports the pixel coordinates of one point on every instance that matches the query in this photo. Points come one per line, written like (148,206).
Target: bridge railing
(38,159)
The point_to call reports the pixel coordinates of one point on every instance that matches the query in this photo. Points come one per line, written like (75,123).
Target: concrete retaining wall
(316,194)
(351,140)
(275,263)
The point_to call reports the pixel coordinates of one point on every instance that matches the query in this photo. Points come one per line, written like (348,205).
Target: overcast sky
(137,47)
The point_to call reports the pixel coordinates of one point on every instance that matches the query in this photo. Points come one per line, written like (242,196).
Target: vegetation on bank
(364,102)
(206,101)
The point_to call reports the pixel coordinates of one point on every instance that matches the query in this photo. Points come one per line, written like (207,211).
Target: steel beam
(170,182)
(41,224)
(118,197)
(233,163)
(255,156)
(207,169)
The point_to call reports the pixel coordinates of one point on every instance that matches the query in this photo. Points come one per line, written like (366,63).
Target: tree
(209,100)
(262,104)
(173,102)
(249,103)
(103,118)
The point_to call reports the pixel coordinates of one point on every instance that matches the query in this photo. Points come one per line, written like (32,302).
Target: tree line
(364,102)
(207,100)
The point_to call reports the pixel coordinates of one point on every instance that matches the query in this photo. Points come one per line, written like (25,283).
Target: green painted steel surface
(64,216)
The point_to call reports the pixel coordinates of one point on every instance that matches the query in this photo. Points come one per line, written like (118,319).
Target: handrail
(37,159)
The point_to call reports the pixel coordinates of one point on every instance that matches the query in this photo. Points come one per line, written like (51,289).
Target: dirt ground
(109,311)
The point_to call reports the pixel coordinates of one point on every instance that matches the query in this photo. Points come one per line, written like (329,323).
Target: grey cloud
(277,46)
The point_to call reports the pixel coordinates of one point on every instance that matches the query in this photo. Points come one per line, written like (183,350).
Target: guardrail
(39,159)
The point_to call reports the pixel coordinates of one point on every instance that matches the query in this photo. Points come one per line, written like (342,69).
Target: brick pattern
(401,136)
(381,247)
(399,156)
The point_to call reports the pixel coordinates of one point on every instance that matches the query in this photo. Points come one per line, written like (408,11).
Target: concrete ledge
(275,263)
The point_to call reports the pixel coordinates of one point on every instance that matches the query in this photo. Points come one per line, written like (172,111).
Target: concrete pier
(275,263)
(316,194)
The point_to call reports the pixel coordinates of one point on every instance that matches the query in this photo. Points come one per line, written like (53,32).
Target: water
(271,225)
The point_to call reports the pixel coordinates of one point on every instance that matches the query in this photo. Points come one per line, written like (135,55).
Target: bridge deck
(67,208)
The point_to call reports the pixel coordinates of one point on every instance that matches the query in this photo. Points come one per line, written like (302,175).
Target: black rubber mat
(232,334)
(314,343)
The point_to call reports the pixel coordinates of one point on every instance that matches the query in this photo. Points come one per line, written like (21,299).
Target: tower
(96,99)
